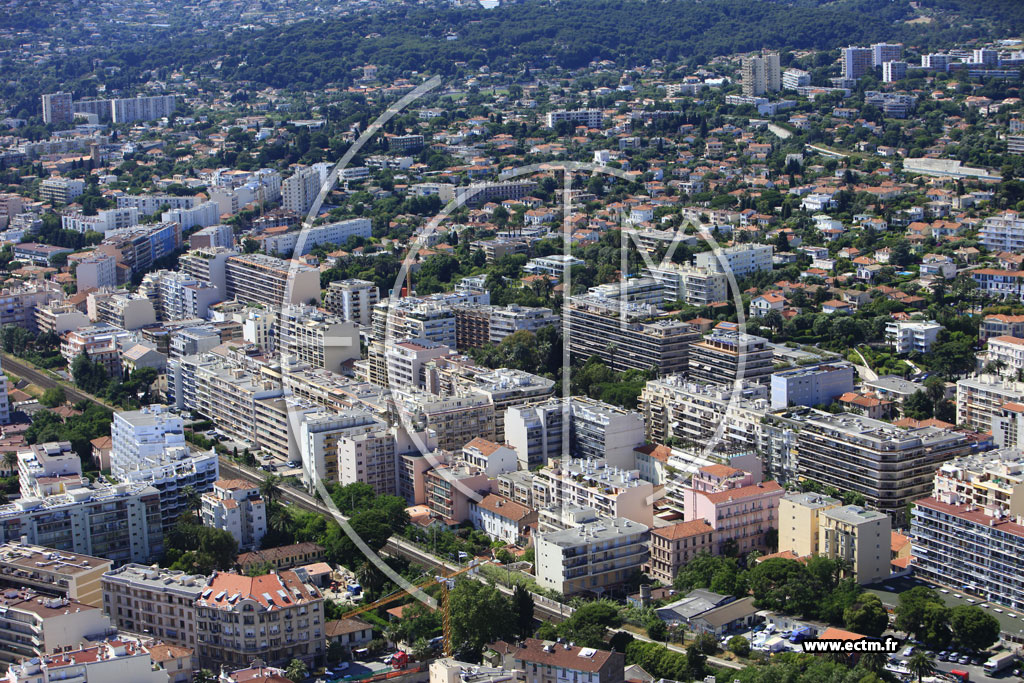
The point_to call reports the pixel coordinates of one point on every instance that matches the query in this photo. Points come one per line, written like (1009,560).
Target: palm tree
(205,676)
(921,664)
(10,461)
(774,320)
(874,661)
(191,498)
(269,487)
(296,670)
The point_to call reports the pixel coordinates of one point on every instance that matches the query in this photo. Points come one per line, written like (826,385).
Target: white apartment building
(856,61)
(300,242)
(591,118)
(695,412)
(149,204)
(141,598)
(740,260)
(761,74)
(308,335)
(1004,232)
(795,78)
(212,236)
(96,271)
(691,285)
(120,523)
(208,264)
(592,483)
(32,624)
(912,336)
(112,661)
(811,385)
(129,109)
(554,265)
(61,190)
(592,557)
(352,300)
(121,310)
(299,190)
(235,506)
(148,446)
(584,428)
(371,456)
(407,360)
(1006,350)
(491,457)
(505,388)
(104,221)
(506,320)
(59,317)
(894,71)
(258,278)
(319,434)
(969,533)
(48,469)
(178,295)
(979,400)
(228,396)
(202,215)
(886,52)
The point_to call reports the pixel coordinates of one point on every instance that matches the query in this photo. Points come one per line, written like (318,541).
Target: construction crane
(447,583)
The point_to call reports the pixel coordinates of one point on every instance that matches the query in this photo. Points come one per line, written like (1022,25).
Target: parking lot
(1010,621)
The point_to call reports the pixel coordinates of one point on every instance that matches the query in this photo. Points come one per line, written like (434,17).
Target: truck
(960,675)
(800,634)
(999,662)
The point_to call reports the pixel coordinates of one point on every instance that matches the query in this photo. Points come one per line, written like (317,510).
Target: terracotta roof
(976,516)
(163,652)
(783,554)
(656,451)
(720,471)
(1007,339)
(265,590)
(341,627)
(832,633)
(898,541)
(503,507)
(683,529)
(485,446)
(743,492)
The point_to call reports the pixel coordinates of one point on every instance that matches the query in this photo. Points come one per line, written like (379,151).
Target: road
(714,661)
(827,152)
(45,381)
(865,370)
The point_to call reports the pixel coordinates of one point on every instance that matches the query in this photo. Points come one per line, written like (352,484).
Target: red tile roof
(683,530)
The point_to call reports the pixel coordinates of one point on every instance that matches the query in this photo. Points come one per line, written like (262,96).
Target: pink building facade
(737,505)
